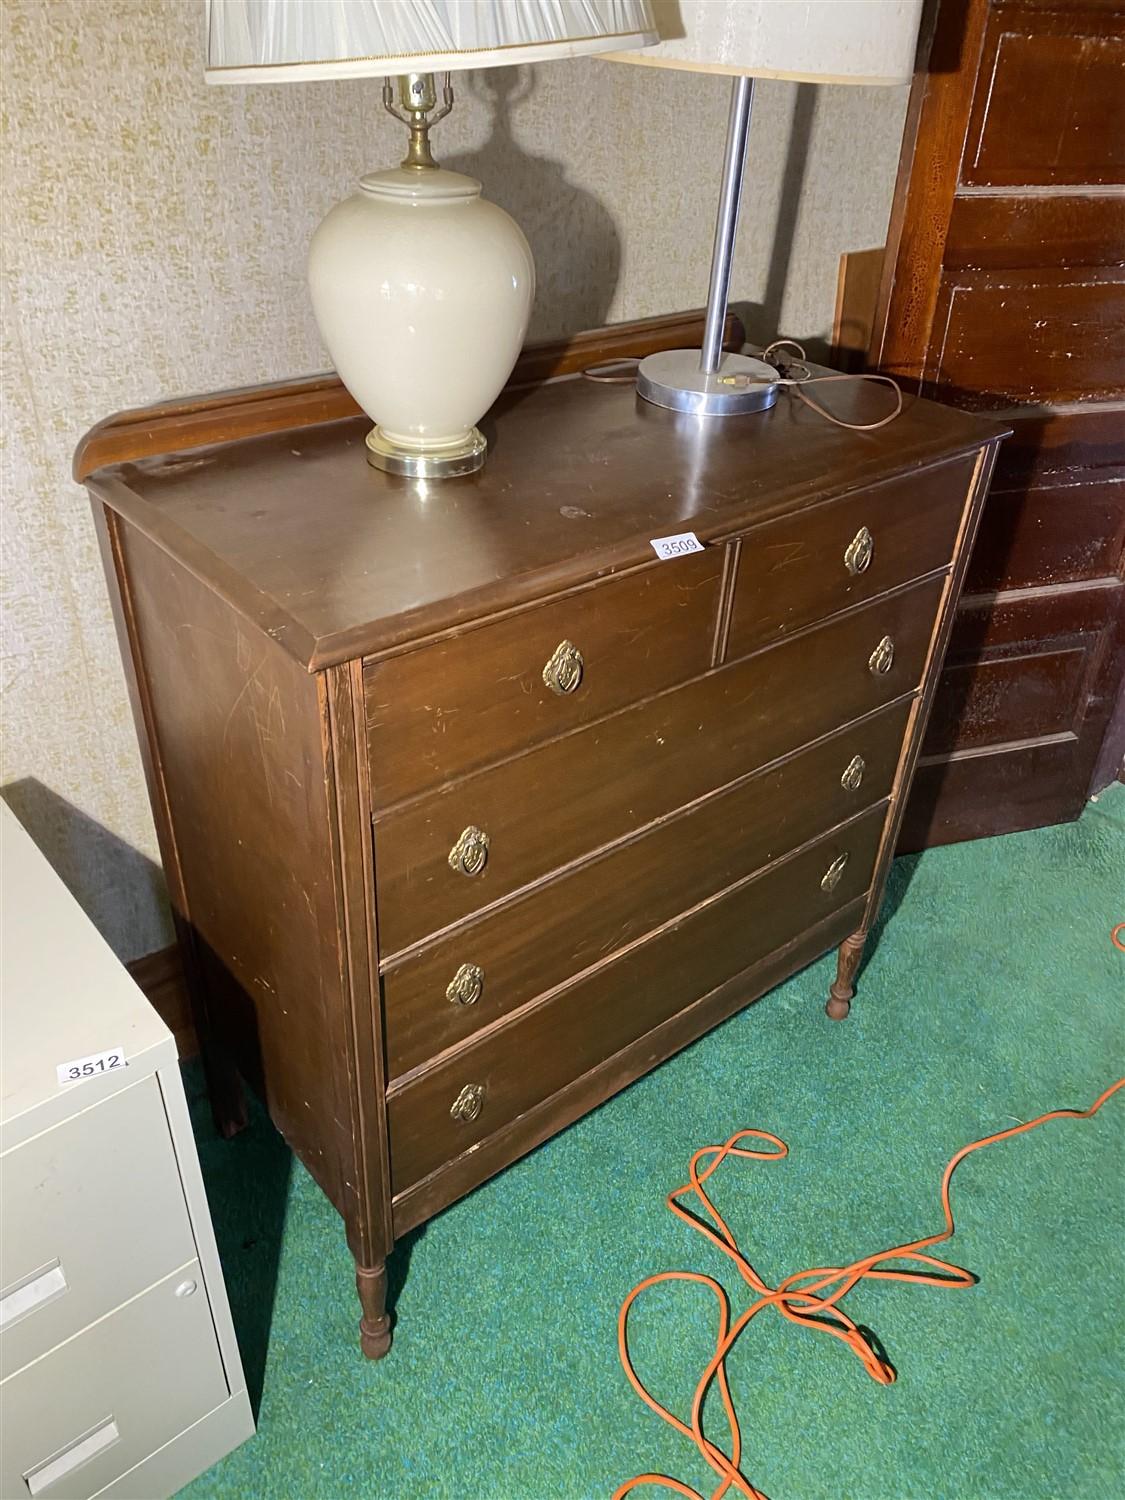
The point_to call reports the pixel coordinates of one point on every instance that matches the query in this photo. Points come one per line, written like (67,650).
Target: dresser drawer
(80,1234)
(441,995)
(807,566)
(568,798)
(452,1106)
(442,710)
(84,1415)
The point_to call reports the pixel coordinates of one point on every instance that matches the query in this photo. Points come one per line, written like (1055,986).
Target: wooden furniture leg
(375,1324)
(225,1091)
(843,986)
(224,1082)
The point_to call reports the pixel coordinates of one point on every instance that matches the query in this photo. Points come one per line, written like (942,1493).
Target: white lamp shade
(279,41)
(812,41)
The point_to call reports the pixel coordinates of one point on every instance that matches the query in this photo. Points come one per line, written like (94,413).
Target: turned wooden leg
(225,1091)
(375,1324)
(843,986)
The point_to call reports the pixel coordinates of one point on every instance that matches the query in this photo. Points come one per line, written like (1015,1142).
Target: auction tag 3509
(93,1066)
(667,547)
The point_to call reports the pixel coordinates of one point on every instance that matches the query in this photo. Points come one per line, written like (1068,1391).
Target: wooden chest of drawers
(471,809)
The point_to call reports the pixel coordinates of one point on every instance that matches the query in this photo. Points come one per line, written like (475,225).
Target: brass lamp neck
(417,109)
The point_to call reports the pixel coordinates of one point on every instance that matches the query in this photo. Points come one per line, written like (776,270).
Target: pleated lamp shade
(279,41)
(810,41)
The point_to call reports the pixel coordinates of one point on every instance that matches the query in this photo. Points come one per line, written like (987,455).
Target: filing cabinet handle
(468,1103)
(469,854)
(831,877)
(32,1293)
(45,1475)
(853,774)
(563,671)
(466,986)
(882,659)
(859,552)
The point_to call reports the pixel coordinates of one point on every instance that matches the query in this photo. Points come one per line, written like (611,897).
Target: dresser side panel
(939,644)
(238,731)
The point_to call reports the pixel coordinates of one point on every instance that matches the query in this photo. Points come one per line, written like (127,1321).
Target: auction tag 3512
(667,547)
(93,1066)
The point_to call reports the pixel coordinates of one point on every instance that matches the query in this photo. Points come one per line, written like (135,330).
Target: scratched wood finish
(597,1016)
(478,697)
(559,929)
(1065,445)
(265,582)
(587,1090)
(1034,696)
(793,571)
(288,405)
(239,740)
(1049,114)
(564,799)
(1010,232)
(1047,534)
(388,564)
(1050,335)
(1002,290)
(1006,667)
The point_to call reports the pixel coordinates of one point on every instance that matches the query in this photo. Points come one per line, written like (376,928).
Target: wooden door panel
(1003,289)
(1065,533)
(1017,620)
(1008,231)
(1074,445)
(1023,785)
(994,702)
(1046,335)
(1048,107)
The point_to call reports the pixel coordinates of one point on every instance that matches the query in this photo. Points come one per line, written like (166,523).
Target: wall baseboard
(161,978)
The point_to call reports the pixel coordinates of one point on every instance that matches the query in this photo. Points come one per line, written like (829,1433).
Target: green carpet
(991,995)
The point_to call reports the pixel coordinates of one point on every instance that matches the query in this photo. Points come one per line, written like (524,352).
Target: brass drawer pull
(469,854)
(882,659)
(468,1103)
(853,773)
(466,986)
(831,877)
(563,671)
(859,552)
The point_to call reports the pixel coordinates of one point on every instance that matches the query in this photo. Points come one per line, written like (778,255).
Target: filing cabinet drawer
(807,566)
(440,996)
(89,1411)
(483,1086)
(93,1213)
(510,825)
(444,709)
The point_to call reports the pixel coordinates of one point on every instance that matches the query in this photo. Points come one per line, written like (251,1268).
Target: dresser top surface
(335,559)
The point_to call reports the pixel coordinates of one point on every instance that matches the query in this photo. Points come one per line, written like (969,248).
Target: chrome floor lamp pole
(709,382)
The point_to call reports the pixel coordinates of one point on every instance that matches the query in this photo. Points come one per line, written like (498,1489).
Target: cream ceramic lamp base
(422,290)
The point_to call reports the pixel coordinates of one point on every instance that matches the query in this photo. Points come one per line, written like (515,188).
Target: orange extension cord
(802,1297)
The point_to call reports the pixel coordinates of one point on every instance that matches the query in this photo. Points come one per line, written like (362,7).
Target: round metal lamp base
(431,463)
(740,384)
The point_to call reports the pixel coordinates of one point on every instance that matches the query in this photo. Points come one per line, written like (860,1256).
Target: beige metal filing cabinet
(119,1371)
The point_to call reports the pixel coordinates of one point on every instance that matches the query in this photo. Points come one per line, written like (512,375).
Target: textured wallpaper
(154,234)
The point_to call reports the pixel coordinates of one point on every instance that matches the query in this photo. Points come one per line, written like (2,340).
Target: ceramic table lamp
(422,289)
(810,41)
